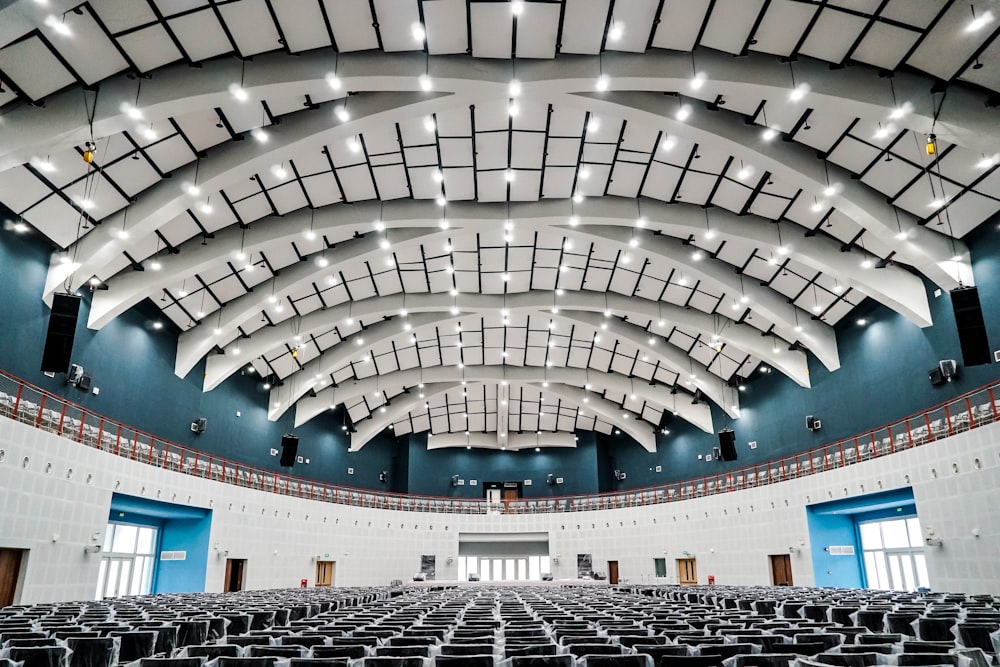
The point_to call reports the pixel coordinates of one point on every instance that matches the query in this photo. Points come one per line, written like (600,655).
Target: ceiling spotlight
(122,234)
(862,322)
(602,83)
(977,23)
(988,161)
(573,220)
(157,325)
(866,264)
(667,144)
(333,81)
(901,111)
(437,176)
(205,207)
(342,114)
(817,206)
(513,109)
(384,244)
(322,262)
(799,92)
(683,113)
(238,93)
(155,265)
(577,197)
(744,173)
(259,134)
(148,133)
(425,82)
(418,32)
(584,173)
(86,204)
(769,134)
(516,7)
(514,88)
(698,80)
(441,200)
(279,172)
(830,191)
(353,144)
(508,176)
(429,124)
(444,224)
(697,255)
(59,25)
(617,30)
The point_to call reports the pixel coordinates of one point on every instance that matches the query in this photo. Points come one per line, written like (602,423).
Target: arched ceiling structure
(501,222)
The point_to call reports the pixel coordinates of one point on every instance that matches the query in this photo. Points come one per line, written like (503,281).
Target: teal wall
(133,365)
(883,377)
(836,523)
(181,528)
(430,471)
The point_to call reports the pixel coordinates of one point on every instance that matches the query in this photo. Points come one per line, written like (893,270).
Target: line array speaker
(289,450)
(59,336)
(971,327)
(727,443)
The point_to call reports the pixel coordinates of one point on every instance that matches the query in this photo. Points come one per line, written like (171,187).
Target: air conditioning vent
(843,550)
(173,555)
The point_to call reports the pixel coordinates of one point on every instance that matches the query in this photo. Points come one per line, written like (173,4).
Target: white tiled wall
(56,494)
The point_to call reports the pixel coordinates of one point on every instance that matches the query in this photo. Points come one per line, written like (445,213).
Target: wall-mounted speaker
(289,450)
(60,333)
(971,326)
(199,425)
(727,444)
(813,423)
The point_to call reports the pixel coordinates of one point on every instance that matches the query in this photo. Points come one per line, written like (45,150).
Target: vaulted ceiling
(502,222)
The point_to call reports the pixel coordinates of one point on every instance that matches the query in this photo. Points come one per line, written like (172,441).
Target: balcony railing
(28,404)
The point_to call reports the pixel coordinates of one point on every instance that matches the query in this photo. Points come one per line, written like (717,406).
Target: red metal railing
(30,405)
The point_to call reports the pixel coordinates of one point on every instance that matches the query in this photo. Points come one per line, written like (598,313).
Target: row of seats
(488,626)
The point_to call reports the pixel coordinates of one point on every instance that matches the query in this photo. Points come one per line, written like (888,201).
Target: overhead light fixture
(58,25)
(418,32)
(799,92)
(683,113)
(236,90)
(516,7)
(698,80)
(342,114)
(602,83)
(259,134)
(334,81)
(617,30)
(513,109)
(977,22)
(279,172)
(425,82)
(353,144)
(514,88)
(769,134)
(429,124)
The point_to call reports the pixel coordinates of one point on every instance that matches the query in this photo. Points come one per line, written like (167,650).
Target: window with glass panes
(893,552)
(127,561)
(489,568)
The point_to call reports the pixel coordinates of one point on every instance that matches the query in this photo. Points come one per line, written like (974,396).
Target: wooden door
(10,571)
(781,569)
(687,572)
(235,568)
(324,572)
(612,572)
(509,496)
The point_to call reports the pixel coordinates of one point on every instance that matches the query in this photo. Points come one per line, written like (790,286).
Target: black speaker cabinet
(59,336)
(289,450)
(727,444)
(971,327)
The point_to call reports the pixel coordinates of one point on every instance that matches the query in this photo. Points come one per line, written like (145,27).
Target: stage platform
(454,583)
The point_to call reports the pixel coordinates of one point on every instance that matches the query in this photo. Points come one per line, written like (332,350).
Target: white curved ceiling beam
(857,91)
(426,312)
(515,441)
(235,160)
(893,286)
(817,336)
(380,421)
(561,378)
(925,249)
(743,337)
(193,345)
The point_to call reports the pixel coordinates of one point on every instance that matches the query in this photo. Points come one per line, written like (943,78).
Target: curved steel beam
(571,383)
(857,91)
(893,286)
(927,250)
(380,421)
(425,311)
(166,199)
